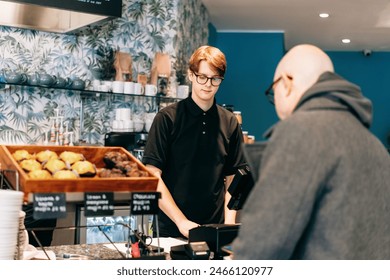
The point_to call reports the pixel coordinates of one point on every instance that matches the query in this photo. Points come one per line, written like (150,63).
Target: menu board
(99,7)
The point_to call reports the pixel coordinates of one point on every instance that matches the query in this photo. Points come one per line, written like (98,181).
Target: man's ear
(287,83)
(190,75)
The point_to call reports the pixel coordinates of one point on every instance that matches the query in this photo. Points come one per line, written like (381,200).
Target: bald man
(322,180)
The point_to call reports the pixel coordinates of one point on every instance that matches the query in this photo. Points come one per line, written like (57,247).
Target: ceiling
(365,22)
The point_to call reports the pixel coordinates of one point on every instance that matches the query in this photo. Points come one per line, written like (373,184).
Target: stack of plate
(10,207)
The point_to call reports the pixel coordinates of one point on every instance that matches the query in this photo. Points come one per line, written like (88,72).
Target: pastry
(126,166)
(112,158)
(137,173)
(39,174)
(30,165)
(46,155)
(65,174)
(84,168)
(19,155)
(54,165)
(71,157)
(111,173)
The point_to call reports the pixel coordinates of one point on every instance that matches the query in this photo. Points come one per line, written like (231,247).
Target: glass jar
(245,135)
(251,139)
(238,116)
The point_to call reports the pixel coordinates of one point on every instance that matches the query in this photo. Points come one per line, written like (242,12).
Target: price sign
(49,206)
(99,204)
(144,203)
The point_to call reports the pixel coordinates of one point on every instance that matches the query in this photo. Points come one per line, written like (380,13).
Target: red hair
(213,56)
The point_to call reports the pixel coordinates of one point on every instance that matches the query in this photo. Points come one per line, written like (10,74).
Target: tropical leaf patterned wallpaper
(174,27)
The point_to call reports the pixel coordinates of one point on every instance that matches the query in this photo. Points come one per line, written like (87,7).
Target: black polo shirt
(195,151)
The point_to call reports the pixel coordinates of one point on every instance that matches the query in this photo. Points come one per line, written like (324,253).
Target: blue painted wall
(252,58)
(372,74)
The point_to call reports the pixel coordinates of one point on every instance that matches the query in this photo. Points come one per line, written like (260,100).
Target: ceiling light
(346,41)
(324,15)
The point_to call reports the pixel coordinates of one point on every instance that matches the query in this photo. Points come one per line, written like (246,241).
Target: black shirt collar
(195,110)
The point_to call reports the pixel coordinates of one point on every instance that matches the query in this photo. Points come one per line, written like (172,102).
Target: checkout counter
(208,242)
(205,242)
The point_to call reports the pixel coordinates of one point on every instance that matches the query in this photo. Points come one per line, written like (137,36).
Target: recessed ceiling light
(324,15)
(346,41)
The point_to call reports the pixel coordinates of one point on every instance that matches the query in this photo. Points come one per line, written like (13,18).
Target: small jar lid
(237,112)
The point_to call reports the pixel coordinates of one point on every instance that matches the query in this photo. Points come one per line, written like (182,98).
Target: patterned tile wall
(174,27)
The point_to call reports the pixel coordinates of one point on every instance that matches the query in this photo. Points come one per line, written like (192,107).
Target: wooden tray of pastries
(67,169)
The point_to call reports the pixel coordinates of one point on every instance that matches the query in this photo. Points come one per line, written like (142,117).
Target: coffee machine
(134,142)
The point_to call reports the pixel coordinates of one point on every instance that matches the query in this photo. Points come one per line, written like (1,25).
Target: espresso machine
(134,142)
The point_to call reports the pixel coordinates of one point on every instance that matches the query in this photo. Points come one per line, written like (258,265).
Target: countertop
(105,251)
(84,252)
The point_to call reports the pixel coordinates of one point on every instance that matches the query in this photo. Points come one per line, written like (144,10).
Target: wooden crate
(94,184)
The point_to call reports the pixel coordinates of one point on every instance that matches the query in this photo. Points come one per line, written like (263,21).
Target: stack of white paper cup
(122,122)
(122,114)
(10,206)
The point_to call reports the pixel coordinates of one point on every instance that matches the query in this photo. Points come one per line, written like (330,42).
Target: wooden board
(95,184)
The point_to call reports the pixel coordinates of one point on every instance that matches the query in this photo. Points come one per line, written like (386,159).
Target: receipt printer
(191,251)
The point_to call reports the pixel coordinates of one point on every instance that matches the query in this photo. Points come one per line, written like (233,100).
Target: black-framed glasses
(269,93)
(203,79)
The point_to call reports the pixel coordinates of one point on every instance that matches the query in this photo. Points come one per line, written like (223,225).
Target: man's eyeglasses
(269,93)
(203,79)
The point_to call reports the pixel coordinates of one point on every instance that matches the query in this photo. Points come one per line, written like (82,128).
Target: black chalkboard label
(98,204)
(49,206)
(144,203)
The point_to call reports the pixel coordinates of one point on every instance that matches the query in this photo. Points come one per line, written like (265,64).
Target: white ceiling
(365,22)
